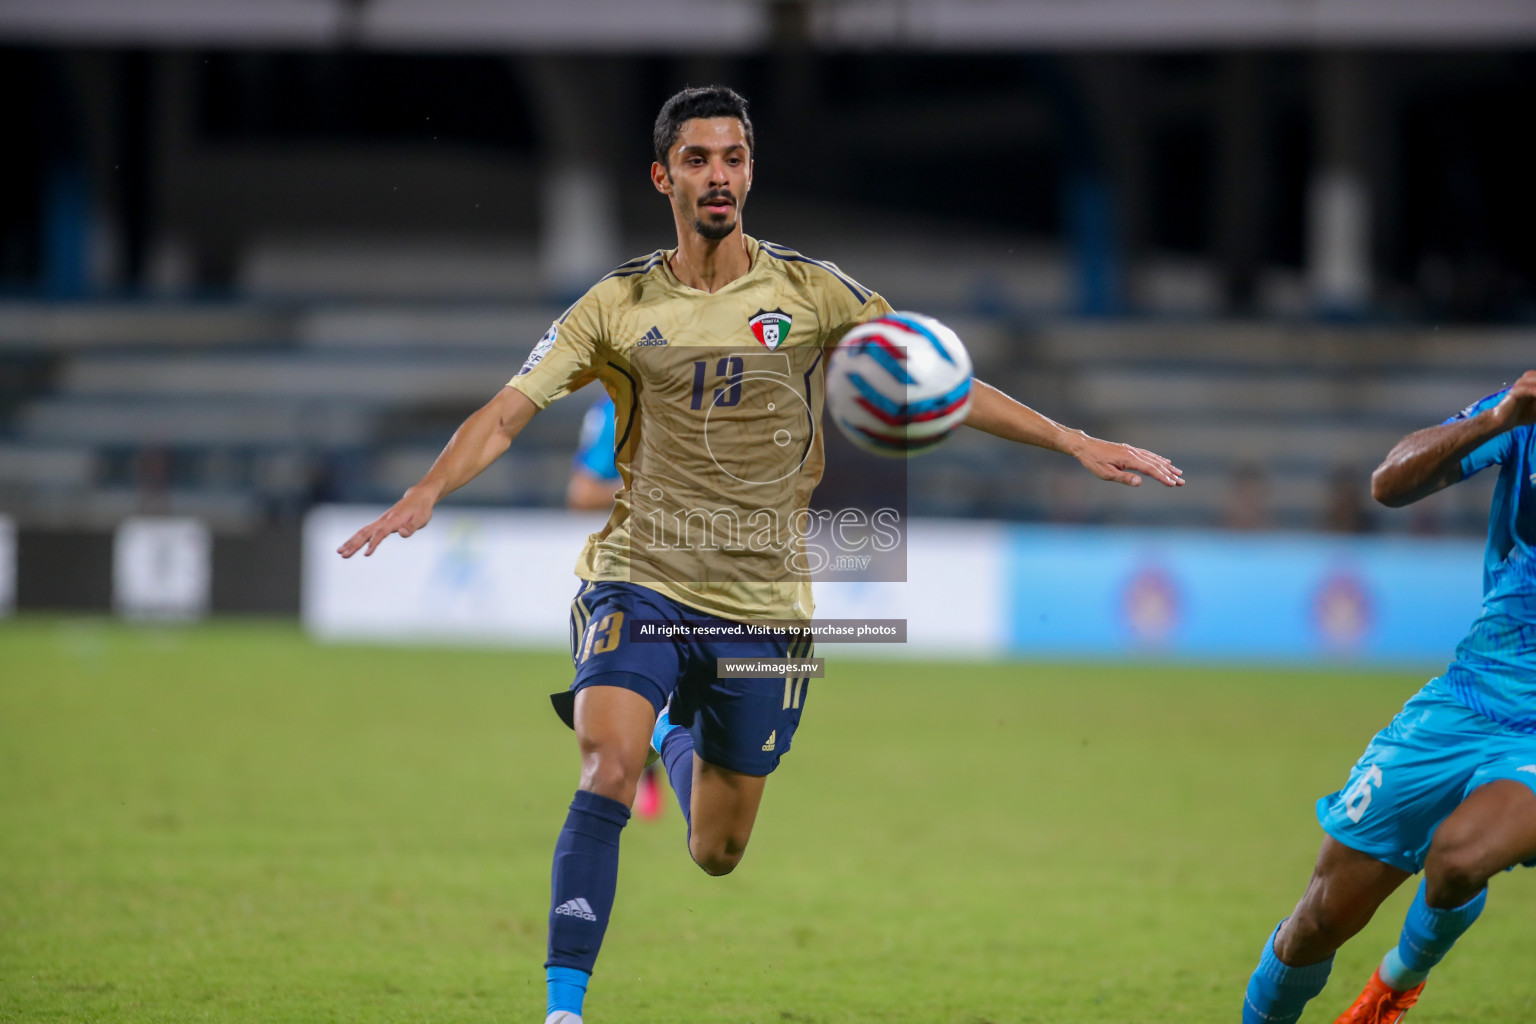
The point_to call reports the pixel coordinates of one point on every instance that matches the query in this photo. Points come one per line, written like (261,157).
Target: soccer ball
(899,385)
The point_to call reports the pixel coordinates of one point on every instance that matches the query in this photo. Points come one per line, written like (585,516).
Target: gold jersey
(718,400)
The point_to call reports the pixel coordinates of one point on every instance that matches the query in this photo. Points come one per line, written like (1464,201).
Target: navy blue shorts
(742,724)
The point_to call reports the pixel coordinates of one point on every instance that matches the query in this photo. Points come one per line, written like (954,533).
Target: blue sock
(663,728)
(677,754)
(1276,993)
(586,873)
(1428,934)
(567,989)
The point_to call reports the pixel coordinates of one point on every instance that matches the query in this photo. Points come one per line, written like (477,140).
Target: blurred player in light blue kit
(595,480)
(594,476)
(1449,787)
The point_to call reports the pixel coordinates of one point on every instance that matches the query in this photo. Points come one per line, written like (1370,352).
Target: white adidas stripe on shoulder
(638,265)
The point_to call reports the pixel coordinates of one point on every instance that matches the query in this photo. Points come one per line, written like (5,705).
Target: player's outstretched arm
(993,412)
(1429,460)
(477,443)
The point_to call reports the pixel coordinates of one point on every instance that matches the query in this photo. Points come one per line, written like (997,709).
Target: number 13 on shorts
(603,635)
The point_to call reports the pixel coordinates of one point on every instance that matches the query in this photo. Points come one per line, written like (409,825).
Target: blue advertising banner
(1095,592)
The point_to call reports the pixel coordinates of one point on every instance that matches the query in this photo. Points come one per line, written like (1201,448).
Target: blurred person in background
(152,470)
(1247,505)
(594,477)
(1067,499)
(595,480)
(1449,787)
(1346,510)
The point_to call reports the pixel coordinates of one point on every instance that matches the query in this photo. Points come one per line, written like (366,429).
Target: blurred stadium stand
(246,415)
(260,254)
(745,25)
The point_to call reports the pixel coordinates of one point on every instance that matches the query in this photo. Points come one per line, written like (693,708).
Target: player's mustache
(717,196)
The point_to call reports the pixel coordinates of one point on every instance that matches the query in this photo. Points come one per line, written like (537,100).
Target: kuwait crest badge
(771,327)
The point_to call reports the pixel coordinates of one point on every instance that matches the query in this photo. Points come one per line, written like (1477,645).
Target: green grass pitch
(230,823)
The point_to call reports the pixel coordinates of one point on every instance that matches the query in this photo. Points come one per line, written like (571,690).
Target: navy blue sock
(585,876)
(677,755)
(1278,993)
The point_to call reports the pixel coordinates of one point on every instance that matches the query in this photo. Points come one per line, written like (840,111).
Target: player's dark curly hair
(701,101)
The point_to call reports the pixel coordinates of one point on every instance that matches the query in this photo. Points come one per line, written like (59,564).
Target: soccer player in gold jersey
(713,354)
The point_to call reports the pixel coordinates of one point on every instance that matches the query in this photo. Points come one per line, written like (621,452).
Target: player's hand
(1123,464)
(405,517)
(1518,408)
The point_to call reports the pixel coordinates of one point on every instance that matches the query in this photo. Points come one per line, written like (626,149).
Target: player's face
(708,173)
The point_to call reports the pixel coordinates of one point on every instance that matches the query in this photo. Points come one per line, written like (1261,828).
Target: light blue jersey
(1477,723)
(594,453)
(1494,672)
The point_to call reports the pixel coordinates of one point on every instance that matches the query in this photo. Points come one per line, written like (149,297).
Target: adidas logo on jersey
(652,337)
(577,907)
(768,747)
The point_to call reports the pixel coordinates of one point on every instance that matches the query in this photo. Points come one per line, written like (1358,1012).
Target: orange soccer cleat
(1380,1003)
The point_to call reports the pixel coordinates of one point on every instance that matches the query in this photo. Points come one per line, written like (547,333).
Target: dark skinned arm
(1429,460)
